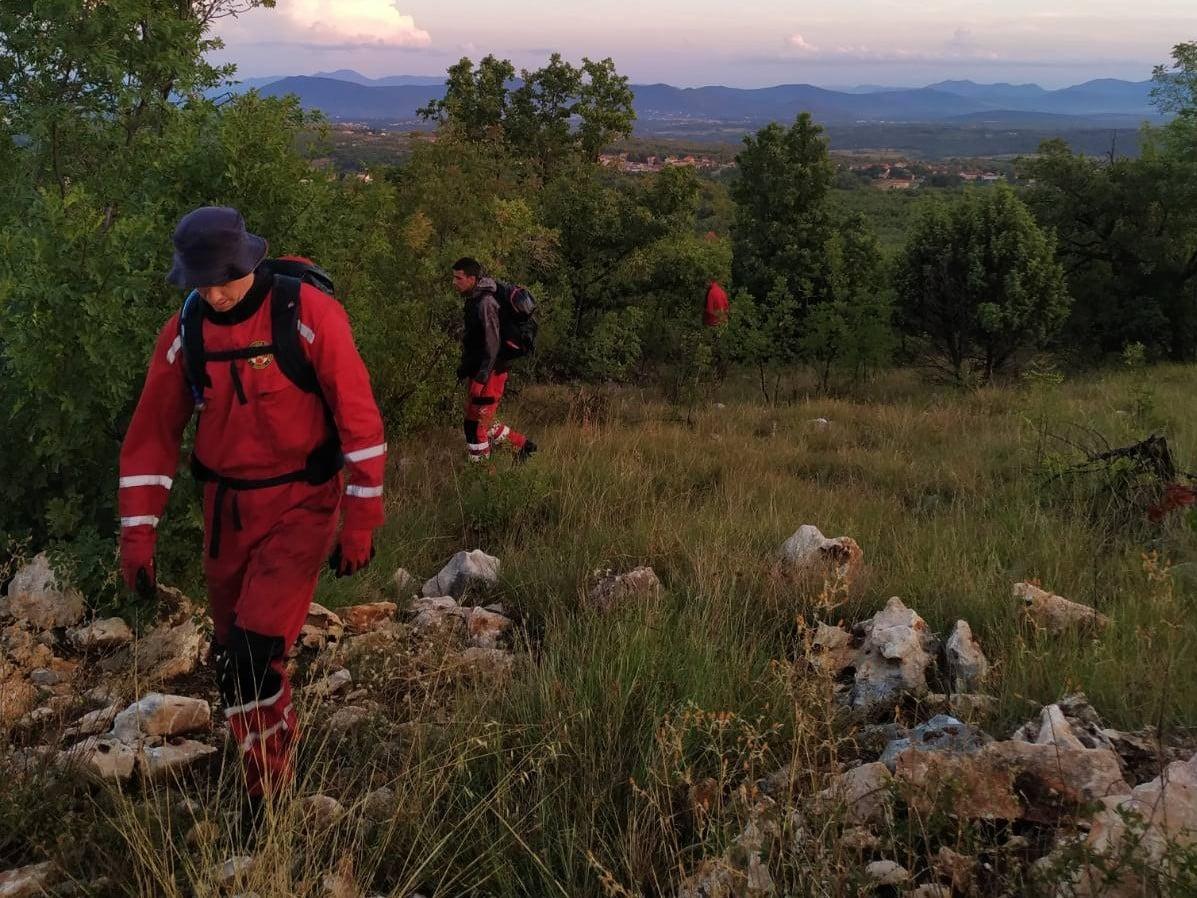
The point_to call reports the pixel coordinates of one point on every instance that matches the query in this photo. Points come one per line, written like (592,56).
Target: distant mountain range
(346,95)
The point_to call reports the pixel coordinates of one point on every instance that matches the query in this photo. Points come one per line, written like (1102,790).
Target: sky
(739,43)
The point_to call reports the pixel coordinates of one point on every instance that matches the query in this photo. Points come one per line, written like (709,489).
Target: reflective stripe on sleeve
(306,332)
(173,352)
(364,492)
(140,520)
(146,480)
(363,454)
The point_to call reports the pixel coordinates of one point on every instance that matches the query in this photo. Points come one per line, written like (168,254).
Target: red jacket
(275,429)
(715,311)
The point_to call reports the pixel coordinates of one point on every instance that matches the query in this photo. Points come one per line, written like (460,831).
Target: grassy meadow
(622,752)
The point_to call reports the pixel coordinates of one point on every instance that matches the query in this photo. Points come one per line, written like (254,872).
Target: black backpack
(517,321)
(289,273)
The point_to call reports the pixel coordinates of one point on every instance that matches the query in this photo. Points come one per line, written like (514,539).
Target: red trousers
(482,429)
(273,544)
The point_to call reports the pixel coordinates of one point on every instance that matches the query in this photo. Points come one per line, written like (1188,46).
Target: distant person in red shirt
(715,311)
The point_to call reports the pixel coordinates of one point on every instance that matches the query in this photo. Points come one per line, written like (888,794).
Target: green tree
(1176,92)
(782,218)
(789,242)
(850,330)
(476,100)
(979,283)
(556,114)
(108,139)
(1127,236)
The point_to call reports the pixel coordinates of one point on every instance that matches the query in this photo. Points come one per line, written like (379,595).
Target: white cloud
(333,23)
(798,42)
(960,47)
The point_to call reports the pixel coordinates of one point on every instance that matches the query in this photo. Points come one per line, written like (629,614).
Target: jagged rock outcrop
(465,571)
(37,595)
(897,648)
(1056,614)
(809,552)
(967,666)
(611,590)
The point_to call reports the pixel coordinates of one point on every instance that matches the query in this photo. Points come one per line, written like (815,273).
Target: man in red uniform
(484,363)
(284,403)
(715,310)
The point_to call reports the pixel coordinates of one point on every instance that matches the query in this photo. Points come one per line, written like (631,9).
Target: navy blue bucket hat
(213,247)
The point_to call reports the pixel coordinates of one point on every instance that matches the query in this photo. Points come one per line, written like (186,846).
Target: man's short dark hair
(469,267)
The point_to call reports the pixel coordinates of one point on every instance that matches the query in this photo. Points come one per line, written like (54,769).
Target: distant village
(360,145)
(632,164)
(896,175)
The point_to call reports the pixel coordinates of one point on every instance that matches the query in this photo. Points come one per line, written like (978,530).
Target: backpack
(289,273)
(323,462)
(517,321)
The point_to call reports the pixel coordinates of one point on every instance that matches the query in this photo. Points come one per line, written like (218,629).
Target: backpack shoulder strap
(191,341)
(284,324)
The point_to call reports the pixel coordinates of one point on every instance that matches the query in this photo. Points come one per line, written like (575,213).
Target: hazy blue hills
(349,96)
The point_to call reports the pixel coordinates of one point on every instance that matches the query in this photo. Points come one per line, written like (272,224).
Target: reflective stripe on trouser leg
(266,733)
(500,433)
(476,443)
(257,703)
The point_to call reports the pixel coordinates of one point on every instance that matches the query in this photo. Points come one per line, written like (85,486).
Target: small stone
(162,715)
(95,722)
(857,838)
(942,734)
(32,881)
(486,627)
(465,571)
(347,718)
(371,616)
(380,805)
(613,590)
(887,873)
(956,868)
(101,757)
(982,783)
(493,664)
(234,870)
(404,582)
(831,650)
(1056,614)
(441,613)
(821,424)
(322,810)
(159,762)
(967,664)
(335,682)
(111,633)
(44,677)
(102,696)
(165,653)
(17,695)
(864,793)
(809,552)
(35,596)
(321,629)
(1071,721)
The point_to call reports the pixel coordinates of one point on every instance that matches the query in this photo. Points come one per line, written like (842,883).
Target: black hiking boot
(526,452)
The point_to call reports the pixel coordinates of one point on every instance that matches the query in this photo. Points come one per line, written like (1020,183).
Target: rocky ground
(1063,799)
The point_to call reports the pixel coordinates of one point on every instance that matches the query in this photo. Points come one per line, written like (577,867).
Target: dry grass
(625,750)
